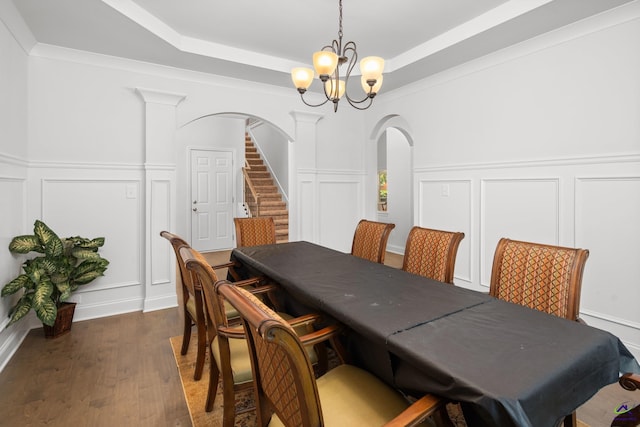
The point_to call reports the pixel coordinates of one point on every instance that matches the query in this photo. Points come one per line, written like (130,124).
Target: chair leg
(186,335)
(229,404)
(570,420)
(441,417)
(214,376)
(202,349)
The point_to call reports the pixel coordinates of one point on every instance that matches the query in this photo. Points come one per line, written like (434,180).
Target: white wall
(13,177)
(539,142)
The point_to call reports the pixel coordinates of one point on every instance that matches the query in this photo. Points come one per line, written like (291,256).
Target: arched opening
(210,157)
(394,179)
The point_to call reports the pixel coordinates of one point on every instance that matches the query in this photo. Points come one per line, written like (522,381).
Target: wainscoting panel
(77,207)
(161,259)
(608,224)
(307,215)
(446,205)
(520,209)
(340,208)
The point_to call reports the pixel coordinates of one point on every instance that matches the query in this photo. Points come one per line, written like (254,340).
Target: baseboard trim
(160,303)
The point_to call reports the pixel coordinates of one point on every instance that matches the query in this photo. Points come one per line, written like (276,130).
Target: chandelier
(328,62)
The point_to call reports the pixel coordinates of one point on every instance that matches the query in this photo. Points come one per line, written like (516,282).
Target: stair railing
(251,196)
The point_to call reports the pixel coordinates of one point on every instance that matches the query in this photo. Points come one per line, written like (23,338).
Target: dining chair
(192,304)
(370,240)
(432,253)
(229,356)
(255,231)
(543,277)
(287,393)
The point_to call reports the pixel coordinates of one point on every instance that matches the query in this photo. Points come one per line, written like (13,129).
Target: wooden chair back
(432,253)
(218,329)
(543,277)
(283,376)
(192,305)
(255,231)
(370,240)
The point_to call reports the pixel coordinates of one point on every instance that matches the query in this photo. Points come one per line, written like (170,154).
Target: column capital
(152,96)
(306,117)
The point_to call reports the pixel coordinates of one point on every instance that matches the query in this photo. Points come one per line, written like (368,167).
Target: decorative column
(302,206)
(159,197)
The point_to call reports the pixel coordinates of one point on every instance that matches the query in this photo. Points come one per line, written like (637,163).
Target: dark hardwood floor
(120,371)
(113,371)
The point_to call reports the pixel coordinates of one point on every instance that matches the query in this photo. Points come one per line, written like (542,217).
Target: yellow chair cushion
(240,361)
(350,396)
(191,307)
(303,330)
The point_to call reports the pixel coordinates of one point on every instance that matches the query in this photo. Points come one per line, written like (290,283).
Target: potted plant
(50,278)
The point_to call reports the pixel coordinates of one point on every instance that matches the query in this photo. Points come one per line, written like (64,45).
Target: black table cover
(509,365)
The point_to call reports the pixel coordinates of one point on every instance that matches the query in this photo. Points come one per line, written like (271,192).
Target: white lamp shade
(371,67)
(302,77)
(334,91)
(325,62)
(376,86)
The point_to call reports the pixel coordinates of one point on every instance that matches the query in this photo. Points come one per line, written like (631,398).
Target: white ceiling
(262,40)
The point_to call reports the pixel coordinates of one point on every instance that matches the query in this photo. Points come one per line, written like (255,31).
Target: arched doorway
(394,178)
(218,136)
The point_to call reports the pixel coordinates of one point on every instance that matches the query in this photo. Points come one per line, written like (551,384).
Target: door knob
(195,209)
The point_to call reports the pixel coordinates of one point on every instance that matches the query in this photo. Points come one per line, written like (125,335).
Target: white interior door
(211,200)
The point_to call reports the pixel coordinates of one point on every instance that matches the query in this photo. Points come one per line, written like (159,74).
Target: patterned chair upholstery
(543,277)
(287,392)
(432,253)
(255,231)
(370,240)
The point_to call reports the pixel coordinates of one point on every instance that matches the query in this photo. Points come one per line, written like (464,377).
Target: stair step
(263,189)
(275,214)
(273,204)
(262,181)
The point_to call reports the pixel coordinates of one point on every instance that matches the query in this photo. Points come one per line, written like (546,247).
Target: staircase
(268,200)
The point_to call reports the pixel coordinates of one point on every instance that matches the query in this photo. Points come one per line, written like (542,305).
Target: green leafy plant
(51,278)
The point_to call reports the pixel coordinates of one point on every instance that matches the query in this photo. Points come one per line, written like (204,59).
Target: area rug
(195,393)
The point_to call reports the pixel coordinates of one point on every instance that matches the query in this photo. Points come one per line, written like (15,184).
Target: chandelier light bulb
(302,78)
(334,91)
(325,62)
(371,67)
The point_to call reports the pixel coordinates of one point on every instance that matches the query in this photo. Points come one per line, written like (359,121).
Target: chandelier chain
(340,27)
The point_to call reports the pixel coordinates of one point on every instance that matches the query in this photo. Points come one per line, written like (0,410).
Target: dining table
(506,364)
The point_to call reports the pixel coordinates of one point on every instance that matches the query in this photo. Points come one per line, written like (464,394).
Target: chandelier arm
(313,105)
(355,105)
